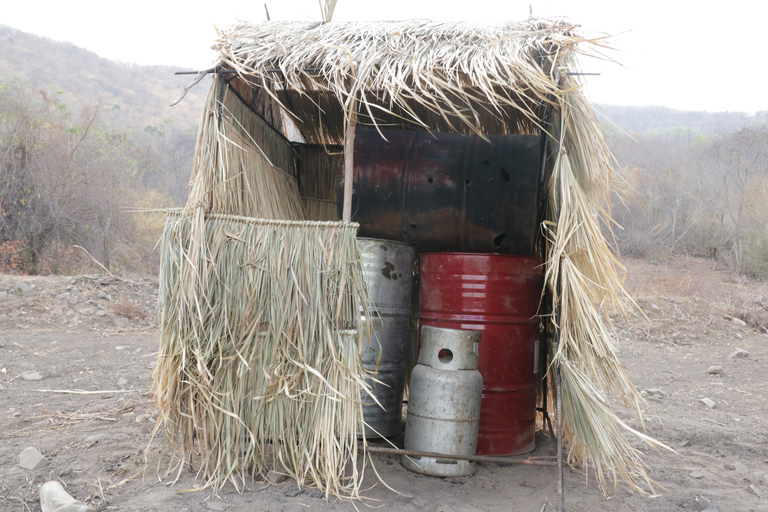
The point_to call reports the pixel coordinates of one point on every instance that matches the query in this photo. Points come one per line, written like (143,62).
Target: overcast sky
(676,53)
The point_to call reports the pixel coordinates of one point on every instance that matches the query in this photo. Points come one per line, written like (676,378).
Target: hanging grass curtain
(259,365)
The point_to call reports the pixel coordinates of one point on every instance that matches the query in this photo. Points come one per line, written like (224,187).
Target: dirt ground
(99,335)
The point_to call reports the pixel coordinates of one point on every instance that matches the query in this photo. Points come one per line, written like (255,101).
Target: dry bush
(128,309)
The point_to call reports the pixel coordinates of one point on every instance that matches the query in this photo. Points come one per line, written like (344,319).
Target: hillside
(128,95)
(664,121)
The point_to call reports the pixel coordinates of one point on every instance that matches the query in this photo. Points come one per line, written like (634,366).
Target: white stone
(708,402)
(53,498)
(101,312)
(31,459)
(739,322)
(86,311)
(31,375)
(739,353)
(122,382)
(717,370)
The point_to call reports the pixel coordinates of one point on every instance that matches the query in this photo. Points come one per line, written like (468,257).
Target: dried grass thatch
(458,77)
(259,366)
(470,78)
(319,168)
(242,165)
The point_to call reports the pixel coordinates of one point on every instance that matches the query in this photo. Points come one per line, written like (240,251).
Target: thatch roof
(452,77)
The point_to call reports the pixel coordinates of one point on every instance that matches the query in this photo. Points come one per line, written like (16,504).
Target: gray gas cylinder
(444,402)
(388,274)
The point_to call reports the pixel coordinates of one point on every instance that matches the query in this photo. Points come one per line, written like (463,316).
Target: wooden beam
(349,148)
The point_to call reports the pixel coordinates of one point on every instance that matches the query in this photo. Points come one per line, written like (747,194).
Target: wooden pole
(349,148)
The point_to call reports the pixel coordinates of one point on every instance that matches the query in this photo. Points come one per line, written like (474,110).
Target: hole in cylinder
(445,355)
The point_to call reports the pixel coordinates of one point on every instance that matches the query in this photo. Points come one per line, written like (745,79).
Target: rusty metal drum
(497,295)
(447,191)
(388,274)
(444,402)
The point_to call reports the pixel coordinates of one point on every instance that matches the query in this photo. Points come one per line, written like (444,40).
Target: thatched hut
(281,115)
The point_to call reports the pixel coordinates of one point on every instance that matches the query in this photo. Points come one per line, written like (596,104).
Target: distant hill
(665,121)
(129,96)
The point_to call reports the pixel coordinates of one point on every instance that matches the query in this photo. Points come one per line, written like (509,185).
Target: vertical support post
(560,481)
(349,148)
(559,394)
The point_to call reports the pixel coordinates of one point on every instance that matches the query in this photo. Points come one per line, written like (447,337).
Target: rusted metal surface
(448,192)
(388,273)
(444,402)
(499,296)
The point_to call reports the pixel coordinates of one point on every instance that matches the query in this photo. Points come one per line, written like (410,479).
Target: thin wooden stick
(81,392)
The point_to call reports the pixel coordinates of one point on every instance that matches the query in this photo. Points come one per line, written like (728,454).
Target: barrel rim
(484,255)
(372,239)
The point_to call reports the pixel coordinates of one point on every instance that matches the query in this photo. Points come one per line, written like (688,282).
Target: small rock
(64,295)
(739,353)
(2,342)
(764,480)
(25,290)
(73,300)
(717,370)
(31,375)
(87,311)
(101,312)
(122,347)
(292,491)
(316,494)
(729,466)
(92,440)
(122,382)
(709,403)
(73,281)
(751,489)
(3,295)
(654,306)
(106,296)
(739,322)
(101,306)
(56,312)
(654,394)
(31,459)
(696,475)
(685,443)
(274,478)
(121,323)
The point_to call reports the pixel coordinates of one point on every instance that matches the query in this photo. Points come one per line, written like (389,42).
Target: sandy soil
(99,335)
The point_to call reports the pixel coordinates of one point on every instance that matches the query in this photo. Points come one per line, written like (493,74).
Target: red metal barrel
(499,296)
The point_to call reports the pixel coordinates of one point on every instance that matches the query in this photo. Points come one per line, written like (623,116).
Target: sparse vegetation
(705,196)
